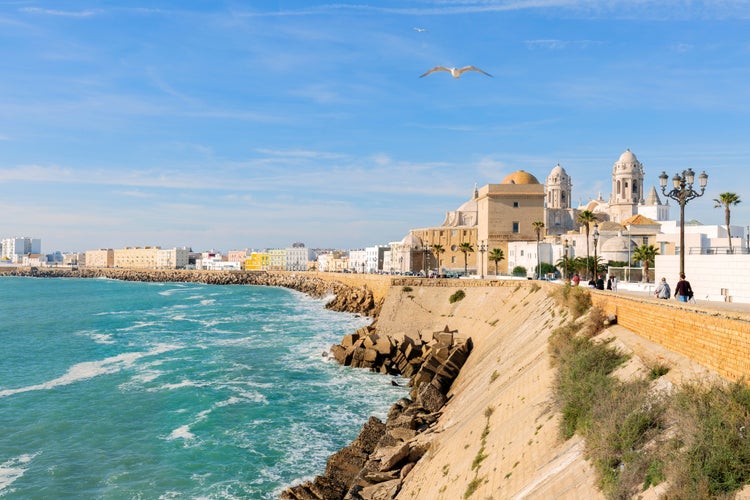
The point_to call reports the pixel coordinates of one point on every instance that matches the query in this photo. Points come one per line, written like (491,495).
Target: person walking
(576,279)
(663,291)
(599,284)
(683,291)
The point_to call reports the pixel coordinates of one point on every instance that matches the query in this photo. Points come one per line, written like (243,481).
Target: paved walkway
(647,290)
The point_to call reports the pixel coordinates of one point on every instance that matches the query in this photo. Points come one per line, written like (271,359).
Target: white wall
(709,274)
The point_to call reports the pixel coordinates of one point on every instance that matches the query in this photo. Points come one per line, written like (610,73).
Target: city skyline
(230,126)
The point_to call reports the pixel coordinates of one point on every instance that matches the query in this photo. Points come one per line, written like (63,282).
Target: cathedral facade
(500,213)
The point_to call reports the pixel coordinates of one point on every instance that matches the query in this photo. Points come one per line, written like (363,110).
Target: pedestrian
(609,283)
(576,279)
(592,283)
(683,291)
(599,282)
(614,284)
(663,291)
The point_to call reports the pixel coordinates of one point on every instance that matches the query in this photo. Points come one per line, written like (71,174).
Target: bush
(459,295)
(406,289)
(519,271)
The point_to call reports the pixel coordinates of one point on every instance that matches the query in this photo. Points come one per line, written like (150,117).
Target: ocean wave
(90,369)
(99,338)
(13,469)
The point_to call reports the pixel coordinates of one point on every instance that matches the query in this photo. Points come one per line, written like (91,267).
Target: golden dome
(520,177)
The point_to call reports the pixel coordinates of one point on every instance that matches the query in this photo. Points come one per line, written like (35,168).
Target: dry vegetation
(695,440)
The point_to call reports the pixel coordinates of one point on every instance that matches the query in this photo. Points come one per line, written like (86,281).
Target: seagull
(455,72)
(419,30)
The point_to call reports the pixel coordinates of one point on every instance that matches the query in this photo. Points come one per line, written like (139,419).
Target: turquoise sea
(113,389)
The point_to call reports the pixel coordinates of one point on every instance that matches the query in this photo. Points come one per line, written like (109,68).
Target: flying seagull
(455,72)
(419,30)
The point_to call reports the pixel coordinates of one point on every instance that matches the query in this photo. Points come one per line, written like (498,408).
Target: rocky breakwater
(345,298)
(375,464)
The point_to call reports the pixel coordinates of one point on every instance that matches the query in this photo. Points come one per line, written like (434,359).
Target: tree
(519,271)
(496,255)
(438,249)
(538,226)
(566,264)
(466,248)
(646,254)
(585,218)
(726,200)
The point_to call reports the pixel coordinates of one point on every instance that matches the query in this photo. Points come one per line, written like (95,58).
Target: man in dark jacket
(682,291)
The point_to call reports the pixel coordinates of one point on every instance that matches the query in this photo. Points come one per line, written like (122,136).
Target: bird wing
(472,68)
(436,68)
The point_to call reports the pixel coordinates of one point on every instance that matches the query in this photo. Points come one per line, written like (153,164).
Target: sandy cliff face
(498,435)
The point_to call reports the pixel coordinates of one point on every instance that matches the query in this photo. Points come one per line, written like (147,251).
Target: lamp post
(565,259)
(482,249)
(630,244)
(683,192)
(595,235)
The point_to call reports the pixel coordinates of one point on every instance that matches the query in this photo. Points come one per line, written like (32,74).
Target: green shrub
(519,271)
(458,295)
(406,288)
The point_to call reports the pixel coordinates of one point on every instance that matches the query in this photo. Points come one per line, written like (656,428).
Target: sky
(230,125)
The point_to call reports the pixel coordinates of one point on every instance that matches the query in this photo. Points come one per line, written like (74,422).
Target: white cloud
(61,13)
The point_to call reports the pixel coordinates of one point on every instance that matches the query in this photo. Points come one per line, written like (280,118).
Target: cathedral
(497,214)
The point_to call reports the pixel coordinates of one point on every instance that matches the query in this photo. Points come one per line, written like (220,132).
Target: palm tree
(566,264)
(538,226)
(466,248)
(726,200)
(496,255)
(438,249)
(585,218)
(646,254)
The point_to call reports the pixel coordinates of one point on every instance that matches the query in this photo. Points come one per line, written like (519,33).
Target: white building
(374,257)
(298,257)
(358,260)
(172,258)
(277,259)
(13,249)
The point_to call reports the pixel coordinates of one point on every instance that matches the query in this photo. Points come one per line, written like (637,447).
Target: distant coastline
(347,298)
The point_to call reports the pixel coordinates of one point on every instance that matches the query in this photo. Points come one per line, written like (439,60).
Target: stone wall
(712,337)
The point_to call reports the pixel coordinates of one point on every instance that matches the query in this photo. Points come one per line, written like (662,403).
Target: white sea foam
(91,369)
(99,338)
(182,432)
(13,469)
(207,302)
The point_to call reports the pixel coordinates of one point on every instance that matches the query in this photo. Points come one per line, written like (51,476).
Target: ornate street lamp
(682,193)
(482,249)
(595,235)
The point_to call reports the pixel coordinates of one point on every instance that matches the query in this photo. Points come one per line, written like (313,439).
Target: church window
(453,259)
(454,232)
(515,204)
(516,226)
(618,188)
(453,248)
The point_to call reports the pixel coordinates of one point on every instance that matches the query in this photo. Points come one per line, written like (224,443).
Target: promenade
(647,290)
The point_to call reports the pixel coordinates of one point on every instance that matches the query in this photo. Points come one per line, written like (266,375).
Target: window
(453,259)
(516,227)
(515,204)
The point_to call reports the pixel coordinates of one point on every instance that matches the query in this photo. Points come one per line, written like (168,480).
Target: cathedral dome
(619,243)
(469,206)
(558,175)
(411,241)
(520,177)
(627,157)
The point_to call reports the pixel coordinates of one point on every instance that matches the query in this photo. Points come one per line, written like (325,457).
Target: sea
(131,390)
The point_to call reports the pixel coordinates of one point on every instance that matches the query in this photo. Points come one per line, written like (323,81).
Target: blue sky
(229,125)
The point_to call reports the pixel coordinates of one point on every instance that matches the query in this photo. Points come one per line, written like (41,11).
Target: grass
(457,296)
(480,456)
(697,437)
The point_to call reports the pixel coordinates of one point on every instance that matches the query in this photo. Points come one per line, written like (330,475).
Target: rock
(383,491)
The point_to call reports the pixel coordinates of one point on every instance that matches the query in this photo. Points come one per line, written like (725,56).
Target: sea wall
(716,338)
(355,297)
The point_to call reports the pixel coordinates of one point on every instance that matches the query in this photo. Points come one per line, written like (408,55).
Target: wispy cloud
(60,13)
